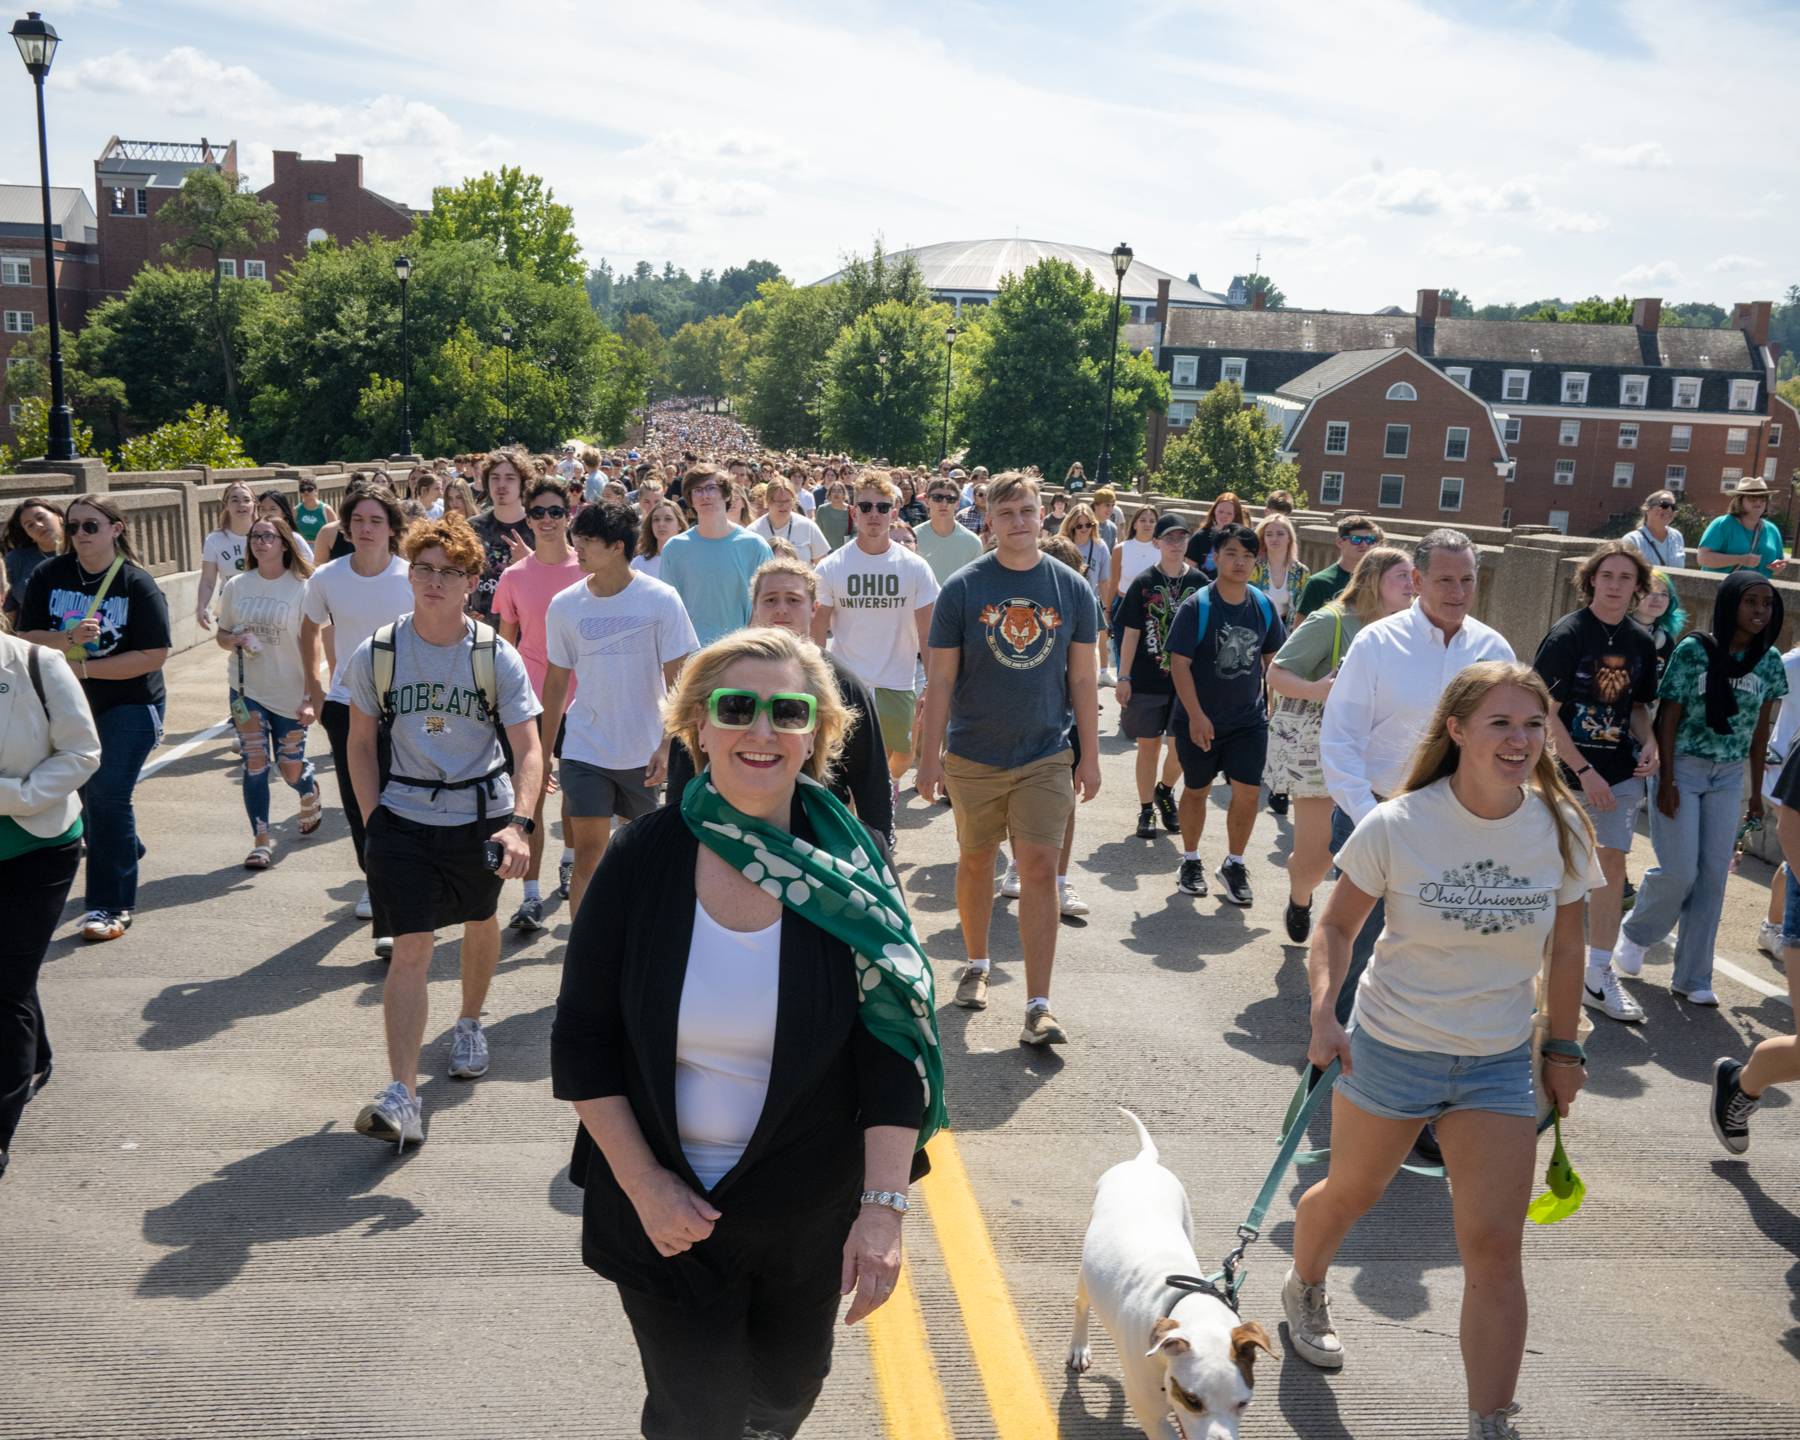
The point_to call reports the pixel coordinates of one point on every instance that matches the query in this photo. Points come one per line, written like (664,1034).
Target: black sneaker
(1165,806)
(1628,897)
(1278,804)
(1731,1107)
(1425,1149)
(528,918)
(1192,879)
(1299,922)
(1236,880)
(1146,822)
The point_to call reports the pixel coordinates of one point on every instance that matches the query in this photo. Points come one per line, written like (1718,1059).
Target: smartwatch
(524,822)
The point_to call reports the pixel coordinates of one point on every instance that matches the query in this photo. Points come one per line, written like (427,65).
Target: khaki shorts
(1032,803)
(895,709)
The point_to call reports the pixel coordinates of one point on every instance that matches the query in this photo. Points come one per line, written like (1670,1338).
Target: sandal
(312,811)
(260,857)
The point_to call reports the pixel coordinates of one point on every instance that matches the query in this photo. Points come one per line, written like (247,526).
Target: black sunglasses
(881,507)
(1663,505)
(89,527)
(547,512)
(309,489)
(946,497)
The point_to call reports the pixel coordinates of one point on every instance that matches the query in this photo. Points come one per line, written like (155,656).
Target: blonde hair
(785,565)
(451,534)
(1006,484)
(1437,755)
(879,483)
(1362,596)
(1275,520)
(683,707)
(1080,515)
(456,488)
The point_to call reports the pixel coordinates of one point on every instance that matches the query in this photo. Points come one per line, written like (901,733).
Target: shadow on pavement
(305,1188)
(1779,1225)
(1075,1417)
(1305,1397)
(1004,1078)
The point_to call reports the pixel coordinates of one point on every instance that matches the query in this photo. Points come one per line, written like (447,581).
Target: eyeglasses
(942,499)
(790,713)
(1361,539)
(548,512)
(264,537)
(880,507)
(1081,529)
(694,492)
(309,489)
(449,574)
(89,527)
(1663,505)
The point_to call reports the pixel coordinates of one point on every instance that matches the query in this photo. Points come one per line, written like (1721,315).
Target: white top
(1471,906)
(1668,553)
(650,565)
(724,1041)
(269,610)
(1135,557)
(1384,696)
(874,601)
(617,647)
(1787,724)
(799,532)
(355,607)
(1096,560)
(225,550)
(48,751)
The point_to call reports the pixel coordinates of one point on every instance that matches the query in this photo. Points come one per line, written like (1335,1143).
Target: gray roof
(1347,365)
(71,212)
(978,266)
(1323,330)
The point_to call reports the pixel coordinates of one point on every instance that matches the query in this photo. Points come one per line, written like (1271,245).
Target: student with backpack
(445,825)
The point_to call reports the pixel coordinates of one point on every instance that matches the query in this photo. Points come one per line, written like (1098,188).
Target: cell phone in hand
(493,854)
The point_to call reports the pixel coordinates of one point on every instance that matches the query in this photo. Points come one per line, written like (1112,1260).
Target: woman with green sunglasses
(746,1029)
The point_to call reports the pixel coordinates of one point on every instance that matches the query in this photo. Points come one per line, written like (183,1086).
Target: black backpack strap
(37,676)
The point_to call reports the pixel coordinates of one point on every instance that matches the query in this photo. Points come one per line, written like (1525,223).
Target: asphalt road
(193,1241)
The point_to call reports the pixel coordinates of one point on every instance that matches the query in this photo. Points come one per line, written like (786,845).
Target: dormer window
(1574,389)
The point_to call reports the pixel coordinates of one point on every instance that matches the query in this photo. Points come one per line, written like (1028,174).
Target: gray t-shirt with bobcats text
(441,728)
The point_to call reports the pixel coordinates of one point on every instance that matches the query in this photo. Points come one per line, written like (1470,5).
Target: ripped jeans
(289,740)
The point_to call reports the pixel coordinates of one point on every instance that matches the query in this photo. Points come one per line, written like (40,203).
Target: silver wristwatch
(887,1199)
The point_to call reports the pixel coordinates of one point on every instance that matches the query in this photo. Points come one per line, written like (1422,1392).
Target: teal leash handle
(1300,1115)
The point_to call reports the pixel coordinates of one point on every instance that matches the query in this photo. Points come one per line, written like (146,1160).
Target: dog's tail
(1148,1150)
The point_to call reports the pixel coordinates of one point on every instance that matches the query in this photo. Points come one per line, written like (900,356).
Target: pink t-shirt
(523,597)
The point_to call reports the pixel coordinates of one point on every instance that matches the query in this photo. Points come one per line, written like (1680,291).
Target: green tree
(217,215)
(862,284)
(1275,298)
(516,214)
(1595,310)
(98,400)
(884,379)
(791,329)
(200,437)
(706,358)
(1031,377)
(1227,447)
(1460,308)
(1789,390)
(33,434)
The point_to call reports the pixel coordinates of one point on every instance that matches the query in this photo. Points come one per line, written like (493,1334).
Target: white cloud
(1645,155)
(670,194)
(1732,264)
(1664,272)
(1450,247)
(1557,221)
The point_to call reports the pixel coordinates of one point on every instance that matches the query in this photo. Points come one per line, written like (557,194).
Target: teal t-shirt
(16,840)
(1727,535)
(1684,681)
(713,578)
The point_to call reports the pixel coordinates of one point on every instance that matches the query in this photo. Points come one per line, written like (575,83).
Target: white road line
(183,750)
(1755,982)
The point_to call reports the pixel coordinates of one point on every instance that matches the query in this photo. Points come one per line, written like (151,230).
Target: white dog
(1187,1358)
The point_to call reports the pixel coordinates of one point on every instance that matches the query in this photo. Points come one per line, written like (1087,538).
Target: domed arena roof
(976,267)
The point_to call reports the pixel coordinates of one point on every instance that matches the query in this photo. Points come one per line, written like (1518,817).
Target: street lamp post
(506,337)
(37,42)
(1121,258)
(881,361)
(403,270)
(949,350)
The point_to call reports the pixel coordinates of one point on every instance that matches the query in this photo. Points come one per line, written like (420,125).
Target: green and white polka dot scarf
(842,886)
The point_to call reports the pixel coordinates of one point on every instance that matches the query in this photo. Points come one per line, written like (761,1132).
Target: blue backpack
(1203,599)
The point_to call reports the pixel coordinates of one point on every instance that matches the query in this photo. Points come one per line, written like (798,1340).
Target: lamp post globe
(1121,258)
(403,273)
(949,350)
(37,41)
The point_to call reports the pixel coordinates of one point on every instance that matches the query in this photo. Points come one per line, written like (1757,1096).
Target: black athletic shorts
(429,877)
(1239,756)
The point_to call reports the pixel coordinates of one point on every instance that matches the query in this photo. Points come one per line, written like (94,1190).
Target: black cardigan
(614,1034)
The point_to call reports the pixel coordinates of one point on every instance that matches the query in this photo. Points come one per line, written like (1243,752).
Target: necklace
(1612,631)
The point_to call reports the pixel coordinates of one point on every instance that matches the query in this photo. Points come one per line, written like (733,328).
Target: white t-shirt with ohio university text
(1471,906)
(875,600)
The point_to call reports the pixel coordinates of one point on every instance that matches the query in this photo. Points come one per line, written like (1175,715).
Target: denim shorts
(1424,1084)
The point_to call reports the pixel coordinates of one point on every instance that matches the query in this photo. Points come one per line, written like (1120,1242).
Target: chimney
(1443,307)
(1162,301)
(1425,315)
(1259,300)
(1646,314)
(1427,308)
(1752,317)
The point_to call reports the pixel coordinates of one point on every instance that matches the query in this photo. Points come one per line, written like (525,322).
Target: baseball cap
(1167,524)
(957,474)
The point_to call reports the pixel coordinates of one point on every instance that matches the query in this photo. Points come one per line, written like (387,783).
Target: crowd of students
(697,642)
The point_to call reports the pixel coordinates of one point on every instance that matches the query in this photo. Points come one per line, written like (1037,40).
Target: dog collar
(1182,1286)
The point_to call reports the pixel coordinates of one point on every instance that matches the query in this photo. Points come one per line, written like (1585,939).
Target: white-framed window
(1623,473)
(14,271)
(1401,390)
(256,270)
(228,268)
(13,412)
(1569,433)
(1337,437)
(1461,374)
(1456,442)
(1558,520)
(1565,472)
(1393,492)
(1737,440)
(116,201)
(143,202)
(1515,384)
(13,362)
(1181,414)
(1687,392)
(1769,469)
(1450,490)
(1331,487)
(1675,478)
(1634,389)
(1398,442)
(1187,371)
(1510,429)
(1574,388)
(1729,478)
(1234,368)
(1775,435)
(19,322)
(1743,394)
(1681,438)
(1628,436)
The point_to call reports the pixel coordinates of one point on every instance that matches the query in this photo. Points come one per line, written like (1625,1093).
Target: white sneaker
(1768,939)
(384,947)
(395,1116)
(468,1050)
(1310,1329)
(1109,676)
(1702,996)
(1628,956)
(1072,904)
(1600,990)
(1009,885)
(364,909)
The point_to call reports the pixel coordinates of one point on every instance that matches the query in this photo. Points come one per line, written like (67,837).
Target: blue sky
(1366,148)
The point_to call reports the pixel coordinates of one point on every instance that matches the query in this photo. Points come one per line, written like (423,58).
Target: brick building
(24,308)
(1592,417)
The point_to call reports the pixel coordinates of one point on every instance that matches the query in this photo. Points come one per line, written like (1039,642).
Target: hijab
(1723,667)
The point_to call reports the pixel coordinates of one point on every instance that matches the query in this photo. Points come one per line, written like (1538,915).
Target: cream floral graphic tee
(1471,905)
